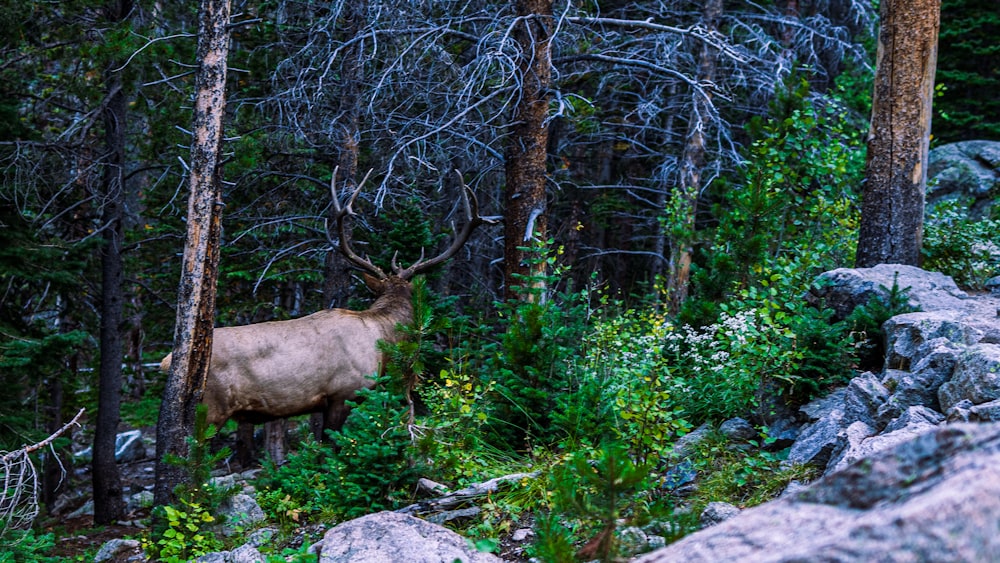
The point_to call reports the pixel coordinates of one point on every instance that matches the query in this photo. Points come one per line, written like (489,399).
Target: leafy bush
(186,535)
(27,546)
(966,249)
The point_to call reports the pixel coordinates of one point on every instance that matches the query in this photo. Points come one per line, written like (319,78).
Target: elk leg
(317,422)
(276,440)
(336,414)
(244,444)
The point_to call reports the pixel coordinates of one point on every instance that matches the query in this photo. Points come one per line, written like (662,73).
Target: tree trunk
(107,485)
(199,270)
(524,197)
(684,206)
(892,208)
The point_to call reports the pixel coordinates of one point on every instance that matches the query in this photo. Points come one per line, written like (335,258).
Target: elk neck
(395,304)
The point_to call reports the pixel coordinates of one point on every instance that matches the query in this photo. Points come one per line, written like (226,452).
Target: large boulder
(969,171)
(389,536)
(844,289)
(935,497)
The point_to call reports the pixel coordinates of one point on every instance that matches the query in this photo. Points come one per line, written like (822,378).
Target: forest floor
(76,535)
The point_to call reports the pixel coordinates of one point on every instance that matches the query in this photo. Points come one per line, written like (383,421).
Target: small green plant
(181,532)
(596,497)
(186,535)
(866,321)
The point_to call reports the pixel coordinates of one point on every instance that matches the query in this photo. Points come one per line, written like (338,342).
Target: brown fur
(266,371)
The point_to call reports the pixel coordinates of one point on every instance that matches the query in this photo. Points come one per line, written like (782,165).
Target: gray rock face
(965,170)
(716,512)
(865,394)
(120,550)
(817,441)
(910,334)
(976,377)
(932,498)
(737,430)
(240,509)
(387,537)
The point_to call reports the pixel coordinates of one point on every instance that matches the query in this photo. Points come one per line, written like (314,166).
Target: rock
(850,445)
(260,538)
(817,441)
(213,557)
(960,412)
(684,445)
(140,500)
(521,534)
(129,447)
(717,512)
(632,540)
(914,421)
(120,551)
(823,406)
(737,430)
(844,289)
(390,536)
(678,476)
(86,510)
(245,554)
(932,498)
(934,364)
(993,285)
(864,395)
(986,412)
(910,334)
(240,509)
(967,170)
(781,433)
(976,377)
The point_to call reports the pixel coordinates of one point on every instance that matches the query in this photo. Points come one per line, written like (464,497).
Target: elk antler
(344,246)
(472,220)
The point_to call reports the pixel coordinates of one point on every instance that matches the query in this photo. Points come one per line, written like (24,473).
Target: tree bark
(685,208)
(892,208)
(107,485)
(525,153)
(199,270)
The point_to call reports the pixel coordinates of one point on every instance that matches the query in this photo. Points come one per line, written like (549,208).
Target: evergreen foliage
(866,323)
(968,72)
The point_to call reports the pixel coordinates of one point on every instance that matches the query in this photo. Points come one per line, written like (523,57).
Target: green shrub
(866,324)
(593,495)
(966,249)
(26,546)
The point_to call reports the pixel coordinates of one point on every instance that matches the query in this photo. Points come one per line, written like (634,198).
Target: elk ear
(375,284)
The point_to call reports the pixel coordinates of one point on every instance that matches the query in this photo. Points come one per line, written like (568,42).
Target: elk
(273,370)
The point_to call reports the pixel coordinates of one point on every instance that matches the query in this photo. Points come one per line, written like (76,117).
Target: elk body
(274,370)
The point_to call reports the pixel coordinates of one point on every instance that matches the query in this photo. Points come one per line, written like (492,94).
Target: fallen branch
(464,495)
